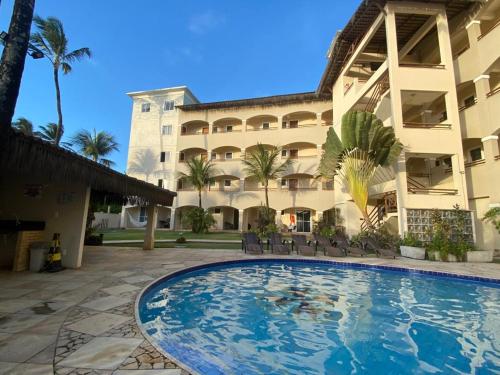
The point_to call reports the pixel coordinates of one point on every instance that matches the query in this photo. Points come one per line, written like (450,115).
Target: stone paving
(82,321)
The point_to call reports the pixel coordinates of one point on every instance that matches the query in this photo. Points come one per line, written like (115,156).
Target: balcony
(430,175)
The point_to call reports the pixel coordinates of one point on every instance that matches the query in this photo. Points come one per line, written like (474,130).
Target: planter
(413,252)
(435,256)
(480,256)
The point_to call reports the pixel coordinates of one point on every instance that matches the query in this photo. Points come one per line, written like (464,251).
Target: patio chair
(303,246)
(277,244)
(349,248)
(251,243)
(374,245)
(329,249)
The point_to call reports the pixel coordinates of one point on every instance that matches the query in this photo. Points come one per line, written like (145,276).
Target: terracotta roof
(361,21)
(25,155)
(263,101)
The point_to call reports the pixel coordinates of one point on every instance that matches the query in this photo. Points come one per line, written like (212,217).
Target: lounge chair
(328,248)
(277,244)
(251,244)
(303,246)
(372,244)
(349,248)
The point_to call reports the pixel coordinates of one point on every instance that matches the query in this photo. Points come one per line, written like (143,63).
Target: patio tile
(45,357)
(169,371)
(119,289)
(14,292)
(5,367)
(105,303)
(48,307)
(13,305)
(14,323)
(32,369)
(98,324)
(137,279)
(122,273)
(104,353)
(21,347)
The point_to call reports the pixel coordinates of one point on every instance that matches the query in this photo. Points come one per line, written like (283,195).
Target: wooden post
(149,236)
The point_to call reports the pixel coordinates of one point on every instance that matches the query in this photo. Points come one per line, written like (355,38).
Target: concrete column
(242,184)
(240,220)
(243,126)
(278,183)
(149,235)
(473,31)
(319,216)
(491,150)
(280,120)
(123,217)
(70,258)
(210,127)
(172,218)
(318,119)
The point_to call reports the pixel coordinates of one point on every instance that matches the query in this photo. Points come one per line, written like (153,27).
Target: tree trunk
(13,59)
(199,198)
(367,219)
(60,128)
(268,214)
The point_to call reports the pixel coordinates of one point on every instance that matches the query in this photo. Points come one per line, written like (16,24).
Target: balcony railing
(468,105)
(422,65)
(432,191)
(417,125)
(460,52)
(223,131)
(475,162)
(493,92)
(309,125)
(327,123)
(217,160)
(488,31)
(261,129)
(497,157)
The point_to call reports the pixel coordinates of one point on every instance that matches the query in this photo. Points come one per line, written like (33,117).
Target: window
(215,129)
(216,210)
(179,184)
(143,215)
(162,157)
(447,162)
(294,124)
(228,155)
(476,154)
(213,156)
(166,130)
(227,183)
(265,125)
(284,153)
(145,107)
(165,156)
(283,125)
(294,154)
(169,105)
(229,128)
(160,182)
(284,182)
(182,156)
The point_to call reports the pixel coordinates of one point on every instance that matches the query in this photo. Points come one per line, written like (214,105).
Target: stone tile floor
(82,321)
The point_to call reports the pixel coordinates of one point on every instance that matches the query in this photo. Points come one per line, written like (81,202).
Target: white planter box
(413,252)
(435,256)
(480,256)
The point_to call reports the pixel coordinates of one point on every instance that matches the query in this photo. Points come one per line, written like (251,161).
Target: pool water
(313,318)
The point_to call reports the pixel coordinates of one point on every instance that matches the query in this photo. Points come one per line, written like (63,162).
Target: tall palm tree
(52,41)
(13,58)
(264,164)
(25,126)
(95,145)
(200,174)
(365,145)
(49,132)
(145,163)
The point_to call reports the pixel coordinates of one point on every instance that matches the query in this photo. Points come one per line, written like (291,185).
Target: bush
(93,240)
(199,220)
(410,240)
(493,216)
(380,235)
(181,240)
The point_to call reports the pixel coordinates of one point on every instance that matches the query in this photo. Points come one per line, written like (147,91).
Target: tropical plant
(49,132)
(200,174)
(13,58)
(52,41)
(95,145)
(25,126)
(264,165)
(493,216)
(145,163)
(199,220)
(410,239)
(365,145)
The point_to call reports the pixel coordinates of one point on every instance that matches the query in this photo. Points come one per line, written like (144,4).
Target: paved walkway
(82,321)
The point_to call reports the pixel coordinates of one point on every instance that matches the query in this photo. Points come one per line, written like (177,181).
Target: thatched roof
(262,101)
(359,24)
(22,155)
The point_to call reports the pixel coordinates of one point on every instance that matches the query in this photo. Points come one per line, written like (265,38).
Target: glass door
(304,221)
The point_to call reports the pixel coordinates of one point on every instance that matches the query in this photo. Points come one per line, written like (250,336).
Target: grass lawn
(138,234)
(189,245)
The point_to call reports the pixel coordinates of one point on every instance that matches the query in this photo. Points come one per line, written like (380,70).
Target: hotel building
(429,69)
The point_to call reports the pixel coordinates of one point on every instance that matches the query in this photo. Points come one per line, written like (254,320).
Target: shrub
(493,216)
(410,240)
(181,240)
(199,220)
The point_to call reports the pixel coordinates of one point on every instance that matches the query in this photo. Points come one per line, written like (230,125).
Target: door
(293,184)
(304,221)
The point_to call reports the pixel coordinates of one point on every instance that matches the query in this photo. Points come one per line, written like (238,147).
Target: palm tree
(52,41)
(49,132)
(200,174)
(264,165)
(13,58)
(145,163)
(95,145)
(25,126)
(366,145)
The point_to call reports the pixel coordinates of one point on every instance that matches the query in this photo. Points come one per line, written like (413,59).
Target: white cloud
(204,22)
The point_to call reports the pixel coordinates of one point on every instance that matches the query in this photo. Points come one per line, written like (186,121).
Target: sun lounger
(302,246)
(251,244)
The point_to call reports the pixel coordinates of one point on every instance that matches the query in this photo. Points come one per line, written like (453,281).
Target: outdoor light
(36,54)
(3,36)
(32,50)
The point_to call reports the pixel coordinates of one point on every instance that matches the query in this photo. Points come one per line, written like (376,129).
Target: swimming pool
(276,317)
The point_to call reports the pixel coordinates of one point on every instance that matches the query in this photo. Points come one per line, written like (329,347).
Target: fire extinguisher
(54,257)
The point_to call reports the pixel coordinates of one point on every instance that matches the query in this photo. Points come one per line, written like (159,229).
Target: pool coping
(341,264)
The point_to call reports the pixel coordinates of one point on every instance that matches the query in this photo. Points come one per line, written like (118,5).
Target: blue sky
(220,49)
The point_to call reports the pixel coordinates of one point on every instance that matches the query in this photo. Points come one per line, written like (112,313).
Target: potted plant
(411,247)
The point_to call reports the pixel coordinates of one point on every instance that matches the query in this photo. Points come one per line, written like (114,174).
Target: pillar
(243,126)
(242,184)
(123,217)
(240,220)
(318,118)
(278,183)
(149,235)
(280,122)
(172,218)
(491,150)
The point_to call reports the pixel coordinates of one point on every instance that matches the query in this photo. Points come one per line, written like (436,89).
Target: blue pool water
(313,318)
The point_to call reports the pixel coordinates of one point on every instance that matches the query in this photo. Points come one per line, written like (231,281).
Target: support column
(242,184)
(491,150)
(280,122)
(73,233)
(318,118)
(244,126)
(240,220)
(123,217)
(278,183)
(210,127)
(172,218)
(149,235)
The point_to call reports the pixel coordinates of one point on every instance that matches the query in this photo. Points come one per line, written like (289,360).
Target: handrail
(346,90)
(302,126)
(432,191)
(223,160)
(493,92)
(422,65)
(258,130)
(465,106)
(183,134)
(497,157)
(489,30)
(327,123)
(224,131)
(473,163)
(414,184)
(299,188)
(416,125)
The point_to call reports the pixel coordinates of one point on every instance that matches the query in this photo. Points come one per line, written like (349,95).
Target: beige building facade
(430,70)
